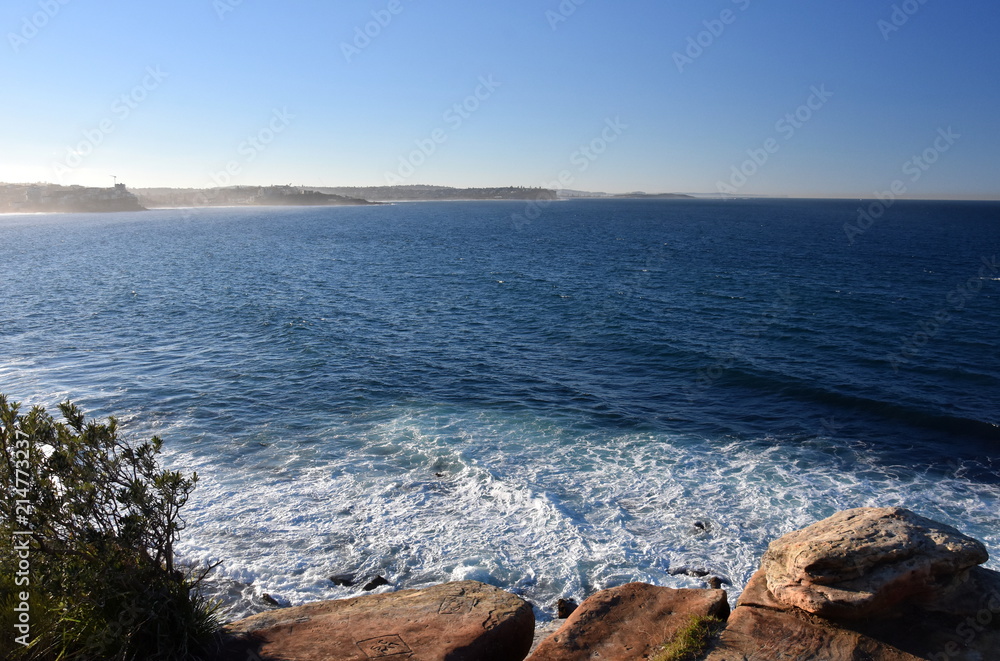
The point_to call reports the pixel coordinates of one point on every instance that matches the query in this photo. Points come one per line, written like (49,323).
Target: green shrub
(94,519)
(691,641)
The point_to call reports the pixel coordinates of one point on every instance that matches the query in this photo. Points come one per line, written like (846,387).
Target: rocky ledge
(873,584)
(463,621)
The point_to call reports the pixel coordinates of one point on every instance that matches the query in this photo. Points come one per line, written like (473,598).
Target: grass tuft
(691,641)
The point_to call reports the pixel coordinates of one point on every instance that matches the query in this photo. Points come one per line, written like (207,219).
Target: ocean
(556,402)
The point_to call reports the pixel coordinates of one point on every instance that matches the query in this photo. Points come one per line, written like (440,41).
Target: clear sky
(841,98)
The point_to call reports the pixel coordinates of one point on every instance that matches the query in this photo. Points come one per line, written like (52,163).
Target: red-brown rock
(756,634)
(464,621)
(628,622)
(961,624)
(861,562)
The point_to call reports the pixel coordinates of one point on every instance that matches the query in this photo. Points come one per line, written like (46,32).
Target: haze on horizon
(844,99)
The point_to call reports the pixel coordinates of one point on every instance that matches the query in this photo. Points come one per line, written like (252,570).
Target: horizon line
(991,197)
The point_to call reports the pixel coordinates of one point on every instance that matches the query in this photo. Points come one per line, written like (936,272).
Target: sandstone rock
(865,561)
(962,624)
(756,634)
(464,621)
(762,628)
(628,622)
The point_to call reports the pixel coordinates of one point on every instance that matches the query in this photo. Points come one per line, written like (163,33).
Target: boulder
(375,583)
(463,621)
(628,622)
(762,629)
(953,615)
(565,608)
(754,634)
(962,624)
(864,561)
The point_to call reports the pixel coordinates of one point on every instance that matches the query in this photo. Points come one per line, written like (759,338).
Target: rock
(542,631)
(464,621)
(628,622)
(565,608)
(957,615)
(693,572)
(861,562)
(343,580)
(375,583)
(762,628)
(756,634)
(714,582)
(270,600)
(963,625)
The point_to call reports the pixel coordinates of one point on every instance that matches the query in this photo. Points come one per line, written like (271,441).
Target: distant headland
(54,198)
(41,198)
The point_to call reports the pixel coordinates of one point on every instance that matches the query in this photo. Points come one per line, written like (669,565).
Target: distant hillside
(654,196)
(637,195)
(49,197)
(429,193)
(35,198)
(242,196)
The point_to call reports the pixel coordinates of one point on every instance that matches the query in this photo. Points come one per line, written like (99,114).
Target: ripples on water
(429,392)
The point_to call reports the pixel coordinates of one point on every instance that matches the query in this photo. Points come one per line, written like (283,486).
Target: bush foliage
(97,519)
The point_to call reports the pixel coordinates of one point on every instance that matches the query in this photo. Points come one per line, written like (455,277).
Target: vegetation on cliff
(88,523)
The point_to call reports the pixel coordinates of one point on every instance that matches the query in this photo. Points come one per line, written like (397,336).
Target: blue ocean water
(612,391)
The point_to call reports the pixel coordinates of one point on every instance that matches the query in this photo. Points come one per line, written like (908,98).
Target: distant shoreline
(40,199)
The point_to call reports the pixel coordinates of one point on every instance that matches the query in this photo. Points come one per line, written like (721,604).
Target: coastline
(892,586)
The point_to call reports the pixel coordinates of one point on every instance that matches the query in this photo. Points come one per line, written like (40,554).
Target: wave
(543,507)
(912,415)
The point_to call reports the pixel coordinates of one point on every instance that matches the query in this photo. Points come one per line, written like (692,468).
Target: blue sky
(609,96)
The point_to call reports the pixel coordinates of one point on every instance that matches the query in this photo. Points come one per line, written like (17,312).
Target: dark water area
(440,390)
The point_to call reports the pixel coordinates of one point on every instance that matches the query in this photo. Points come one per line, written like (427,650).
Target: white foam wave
(431,495)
